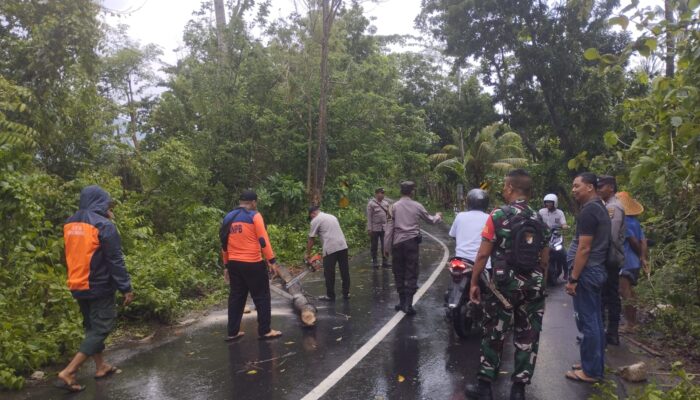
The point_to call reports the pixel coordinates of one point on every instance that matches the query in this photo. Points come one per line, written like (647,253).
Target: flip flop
(112,370)
(270,335)
(74,387)
(234,338)
(574,376)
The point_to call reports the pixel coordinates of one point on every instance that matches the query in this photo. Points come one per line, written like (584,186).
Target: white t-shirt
(467,230)
(327,227)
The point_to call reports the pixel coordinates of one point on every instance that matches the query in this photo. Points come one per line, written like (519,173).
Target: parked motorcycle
(463,314)
(557,257)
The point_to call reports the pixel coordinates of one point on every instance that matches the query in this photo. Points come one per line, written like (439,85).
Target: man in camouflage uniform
(523,289)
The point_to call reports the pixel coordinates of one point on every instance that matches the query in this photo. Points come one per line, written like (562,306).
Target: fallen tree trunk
(301,303)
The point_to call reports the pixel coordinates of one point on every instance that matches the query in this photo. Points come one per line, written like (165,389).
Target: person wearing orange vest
(244,242)
(96,269)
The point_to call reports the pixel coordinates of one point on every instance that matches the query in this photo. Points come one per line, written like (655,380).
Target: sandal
(576,366)
(273,334)
(110,371)
(74,387)
(575,376)
(234,337)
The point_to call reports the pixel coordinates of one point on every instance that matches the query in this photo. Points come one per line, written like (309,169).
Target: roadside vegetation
(82,103)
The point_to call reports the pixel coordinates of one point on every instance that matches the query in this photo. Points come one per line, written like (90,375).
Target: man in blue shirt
(635,257)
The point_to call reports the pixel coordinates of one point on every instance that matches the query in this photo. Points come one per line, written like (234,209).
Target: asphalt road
(418,358)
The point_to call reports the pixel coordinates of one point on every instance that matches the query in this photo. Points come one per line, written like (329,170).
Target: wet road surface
(421,358)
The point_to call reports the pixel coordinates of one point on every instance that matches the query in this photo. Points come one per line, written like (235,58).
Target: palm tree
(496,149)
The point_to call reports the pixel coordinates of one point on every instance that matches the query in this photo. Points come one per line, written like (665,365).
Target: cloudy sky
(162,21)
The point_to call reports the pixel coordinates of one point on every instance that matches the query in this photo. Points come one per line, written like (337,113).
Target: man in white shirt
(551,215)
(335,250)
(468,225)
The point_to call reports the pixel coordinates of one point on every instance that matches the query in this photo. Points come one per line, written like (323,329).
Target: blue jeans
(589,320)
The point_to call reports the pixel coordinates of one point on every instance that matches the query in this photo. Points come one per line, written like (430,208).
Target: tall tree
(329,10)
(532,53)
(220,25)
(127,72)
(56,59)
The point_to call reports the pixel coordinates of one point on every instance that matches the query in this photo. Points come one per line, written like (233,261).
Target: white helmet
(552,197)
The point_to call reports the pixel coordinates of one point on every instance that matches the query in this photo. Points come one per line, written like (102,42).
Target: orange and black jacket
(244,237)
(93,249)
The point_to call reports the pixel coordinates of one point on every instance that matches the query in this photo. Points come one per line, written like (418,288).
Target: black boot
(479,391)
(385,263)
(517,391)
(612,339)
(375,263)
(402,301)
(408,305)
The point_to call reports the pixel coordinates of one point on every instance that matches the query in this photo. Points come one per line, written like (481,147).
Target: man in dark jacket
(96,270)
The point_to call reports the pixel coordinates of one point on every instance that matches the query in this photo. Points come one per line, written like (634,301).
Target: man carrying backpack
(516,240)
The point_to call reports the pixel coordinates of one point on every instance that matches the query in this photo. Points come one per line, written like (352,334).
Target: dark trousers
(611,301)
(99,316)
(589,320)
(405,266)
(341,258)
(245,277)
(375,239)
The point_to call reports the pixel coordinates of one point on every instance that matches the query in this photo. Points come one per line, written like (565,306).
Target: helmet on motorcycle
(477,199)
(553,198)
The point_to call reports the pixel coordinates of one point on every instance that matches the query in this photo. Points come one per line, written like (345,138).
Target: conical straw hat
(631,206)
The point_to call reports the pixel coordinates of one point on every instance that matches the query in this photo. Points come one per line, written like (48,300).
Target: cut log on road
(301,303)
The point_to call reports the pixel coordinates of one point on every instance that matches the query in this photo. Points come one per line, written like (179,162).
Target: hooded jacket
(93,249)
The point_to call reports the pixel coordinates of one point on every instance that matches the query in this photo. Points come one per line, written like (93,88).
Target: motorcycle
(557,257)
(463,314)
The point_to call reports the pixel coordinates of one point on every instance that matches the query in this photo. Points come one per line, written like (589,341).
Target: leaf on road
(288,343)
(252,372)
(339,339)
(400,378)
(337,327)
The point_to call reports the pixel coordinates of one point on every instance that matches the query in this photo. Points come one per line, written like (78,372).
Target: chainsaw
(312,264)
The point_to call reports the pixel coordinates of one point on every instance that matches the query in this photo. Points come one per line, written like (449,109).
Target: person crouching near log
(244,241)
(403,237)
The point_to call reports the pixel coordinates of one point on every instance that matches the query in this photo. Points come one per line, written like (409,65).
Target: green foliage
(683,389)
(495,150)
(656,153)
(676,284)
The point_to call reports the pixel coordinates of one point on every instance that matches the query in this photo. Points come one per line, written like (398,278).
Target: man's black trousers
(375,239)
(405,266)
(248,277)
(611,301)
(341,258)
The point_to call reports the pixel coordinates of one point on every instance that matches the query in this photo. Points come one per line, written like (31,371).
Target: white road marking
(354,359)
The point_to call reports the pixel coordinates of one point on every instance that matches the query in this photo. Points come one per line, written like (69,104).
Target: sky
(162,21)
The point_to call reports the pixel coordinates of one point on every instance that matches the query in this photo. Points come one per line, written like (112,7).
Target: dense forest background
(316,108)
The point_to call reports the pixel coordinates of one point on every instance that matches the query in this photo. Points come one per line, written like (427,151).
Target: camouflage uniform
(525,291)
